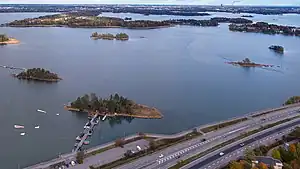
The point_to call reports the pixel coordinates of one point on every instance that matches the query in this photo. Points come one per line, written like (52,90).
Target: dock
(12,67)
(88,129)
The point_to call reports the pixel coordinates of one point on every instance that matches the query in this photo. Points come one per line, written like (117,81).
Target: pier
(88,129)
(12,67)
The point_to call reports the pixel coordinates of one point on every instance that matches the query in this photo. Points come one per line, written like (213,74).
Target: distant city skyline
(176,2)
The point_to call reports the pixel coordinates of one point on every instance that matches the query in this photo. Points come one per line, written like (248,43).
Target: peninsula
(115,105)
(108,36)
(4,40)
(38,74)
(247,63)
(263,27)
(277,49)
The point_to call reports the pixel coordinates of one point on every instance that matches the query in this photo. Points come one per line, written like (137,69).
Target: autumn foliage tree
(262,166)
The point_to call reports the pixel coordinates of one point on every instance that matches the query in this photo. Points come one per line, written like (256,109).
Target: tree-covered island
(248,63)
(277,48)
(265,28)
(80,20)
(115,105)
(4,40)
(108,36)
(38,74)
(292,100)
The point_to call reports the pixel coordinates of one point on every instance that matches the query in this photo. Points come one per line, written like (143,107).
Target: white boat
(41,111)
(18,126)
(22,134)
(57,114)
(37,127)
(104,118)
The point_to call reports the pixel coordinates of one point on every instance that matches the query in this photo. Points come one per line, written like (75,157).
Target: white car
(161,156)
(221,154)
(242,144)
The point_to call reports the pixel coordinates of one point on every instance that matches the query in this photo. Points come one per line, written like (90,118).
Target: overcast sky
(187,2)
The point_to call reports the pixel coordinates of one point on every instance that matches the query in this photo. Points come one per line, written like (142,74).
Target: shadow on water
(118,120)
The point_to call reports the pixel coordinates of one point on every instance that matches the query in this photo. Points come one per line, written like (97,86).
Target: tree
(119,142)
(80,157)
(249,155)
(292,148)
(236,165)
(276,154)
(262,166)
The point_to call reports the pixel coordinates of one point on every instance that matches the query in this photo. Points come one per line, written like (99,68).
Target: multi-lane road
(236,150)
(174,154)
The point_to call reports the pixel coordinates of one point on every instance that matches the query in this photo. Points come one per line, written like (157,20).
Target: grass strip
(195,157)
(222,125)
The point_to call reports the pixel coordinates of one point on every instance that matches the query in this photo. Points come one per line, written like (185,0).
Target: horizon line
(273,5)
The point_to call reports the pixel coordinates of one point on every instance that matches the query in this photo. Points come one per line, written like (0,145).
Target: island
(293,100)
(247,63)
(83,20)
(38,74)
(4,40)
(265,28)
(247,16)
(113,106)
(80,20)
(277,49)
(108,36)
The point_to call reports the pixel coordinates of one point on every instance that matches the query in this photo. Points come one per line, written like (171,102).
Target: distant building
(269,161)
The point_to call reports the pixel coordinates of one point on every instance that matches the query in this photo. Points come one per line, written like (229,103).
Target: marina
(88,131)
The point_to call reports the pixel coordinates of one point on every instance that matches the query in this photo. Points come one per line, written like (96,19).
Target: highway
(237,147)
(181,151)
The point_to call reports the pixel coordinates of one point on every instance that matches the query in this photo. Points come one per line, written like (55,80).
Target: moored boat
(18,126)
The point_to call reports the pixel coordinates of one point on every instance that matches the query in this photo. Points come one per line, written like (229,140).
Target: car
(242,144)
(221,154)
(73,163)
(161,156)
(139,148)
(203,139)
(178,156)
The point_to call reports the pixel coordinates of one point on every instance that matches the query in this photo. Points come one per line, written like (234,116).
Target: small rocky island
(4,40)
(247,16)
(277,49)
(108,36)
(292,100)
(115,105)
(247,63)
(38,74)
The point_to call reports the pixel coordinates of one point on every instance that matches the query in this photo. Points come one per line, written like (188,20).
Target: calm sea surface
(179,70)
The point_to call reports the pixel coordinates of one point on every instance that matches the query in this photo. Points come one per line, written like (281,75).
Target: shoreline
(87,27)
(10,41)
(158,116)
(36,79)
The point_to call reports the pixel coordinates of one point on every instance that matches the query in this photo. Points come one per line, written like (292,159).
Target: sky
(181,2)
